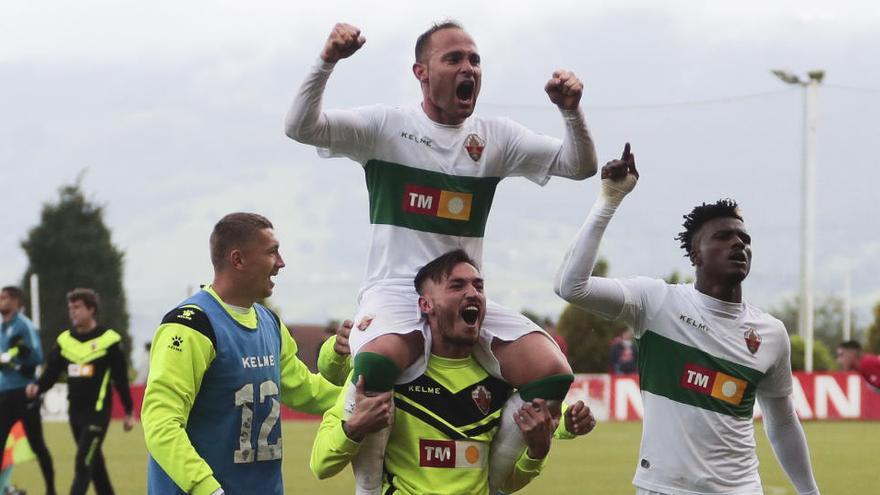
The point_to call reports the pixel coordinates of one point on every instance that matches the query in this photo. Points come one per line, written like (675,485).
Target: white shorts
(642,491)
(384,309)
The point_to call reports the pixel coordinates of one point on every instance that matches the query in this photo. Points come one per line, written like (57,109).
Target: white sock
(368,462)
(507,445)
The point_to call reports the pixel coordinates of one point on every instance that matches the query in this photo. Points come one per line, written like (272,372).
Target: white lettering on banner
(827,390)
(799,398)
(626,392)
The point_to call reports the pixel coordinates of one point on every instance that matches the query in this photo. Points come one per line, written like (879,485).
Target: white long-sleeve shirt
(702,364)
(431,185)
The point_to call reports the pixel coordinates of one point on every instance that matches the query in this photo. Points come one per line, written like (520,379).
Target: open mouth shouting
(465,91)
(471,314)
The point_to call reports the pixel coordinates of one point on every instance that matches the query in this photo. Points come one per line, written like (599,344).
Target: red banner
(816,396)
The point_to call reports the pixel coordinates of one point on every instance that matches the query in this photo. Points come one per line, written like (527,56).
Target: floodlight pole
(847,308)
(35,299)
(808,206)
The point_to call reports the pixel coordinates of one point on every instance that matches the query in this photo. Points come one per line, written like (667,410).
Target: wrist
(352,430)
(537,454)
(327,61)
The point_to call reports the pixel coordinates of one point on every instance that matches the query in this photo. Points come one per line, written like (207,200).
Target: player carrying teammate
(448,415)
(704,353)
(431,172)
(221,365)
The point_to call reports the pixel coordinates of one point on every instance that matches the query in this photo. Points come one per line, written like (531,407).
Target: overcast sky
(175,109)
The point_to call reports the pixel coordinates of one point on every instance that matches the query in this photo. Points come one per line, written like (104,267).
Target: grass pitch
(602,463)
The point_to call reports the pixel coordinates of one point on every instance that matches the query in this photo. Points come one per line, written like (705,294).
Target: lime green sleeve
(300,388)
(332,449)
(561,433)
(525,470)
(175,377)
(332,365)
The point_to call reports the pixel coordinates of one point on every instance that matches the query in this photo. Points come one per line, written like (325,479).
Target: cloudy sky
(175,110)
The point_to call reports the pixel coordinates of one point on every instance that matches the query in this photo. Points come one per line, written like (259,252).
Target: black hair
(723,208)
(441,267)
(851,345)
(424,38)
(14,292)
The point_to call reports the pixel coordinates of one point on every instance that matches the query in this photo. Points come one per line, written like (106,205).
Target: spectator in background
(851,358)
(623,356)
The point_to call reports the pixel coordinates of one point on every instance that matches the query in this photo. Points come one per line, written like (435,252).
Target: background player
(431,175)
(221,365)
(851,358)
(704,353)
(20,354)
(91,356)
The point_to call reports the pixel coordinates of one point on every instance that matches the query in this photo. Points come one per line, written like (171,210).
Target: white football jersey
(701,363)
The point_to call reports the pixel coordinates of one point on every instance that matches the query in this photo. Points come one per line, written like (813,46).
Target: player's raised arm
(573,280)
(577,157)
(574,157)
(305,122)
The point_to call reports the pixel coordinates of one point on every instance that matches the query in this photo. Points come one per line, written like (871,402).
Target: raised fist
(343,41)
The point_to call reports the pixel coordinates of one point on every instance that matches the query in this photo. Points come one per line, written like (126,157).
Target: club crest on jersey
(753,340)
(474,145)
(482,398)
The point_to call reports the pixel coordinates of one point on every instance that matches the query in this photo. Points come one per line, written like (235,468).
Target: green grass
(602,463)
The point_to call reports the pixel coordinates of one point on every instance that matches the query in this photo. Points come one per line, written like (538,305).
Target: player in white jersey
(431,173)
(705,354)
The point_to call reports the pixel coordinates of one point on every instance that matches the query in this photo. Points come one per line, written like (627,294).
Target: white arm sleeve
(334,132)
(789,442)
(573,283)
(577,157)
(537,157)
(305,122)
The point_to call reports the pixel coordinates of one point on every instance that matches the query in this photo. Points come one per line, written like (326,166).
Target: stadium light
(808,204)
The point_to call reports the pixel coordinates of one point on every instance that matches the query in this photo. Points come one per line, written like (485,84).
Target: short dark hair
(14,292)
(87,296)
(425,38)
(723,208)
(233,230)
(852,345)
(441,267)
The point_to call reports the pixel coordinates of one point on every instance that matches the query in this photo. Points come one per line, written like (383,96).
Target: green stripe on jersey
(428,201)
(693,377)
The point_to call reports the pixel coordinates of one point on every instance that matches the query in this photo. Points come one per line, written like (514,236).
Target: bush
(822,359)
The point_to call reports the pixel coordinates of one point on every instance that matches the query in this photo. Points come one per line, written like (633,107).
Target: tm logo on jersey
(713,383)
(451,454)
(437,202)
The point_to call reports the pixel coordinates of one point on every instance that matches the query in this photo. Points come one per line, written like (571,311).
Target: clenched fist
(565,89)
(343,41)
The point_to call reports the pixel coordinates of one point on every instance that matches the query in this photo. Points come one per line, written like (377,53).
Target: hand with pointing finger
(343,41)
(564,89)
(619,177)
